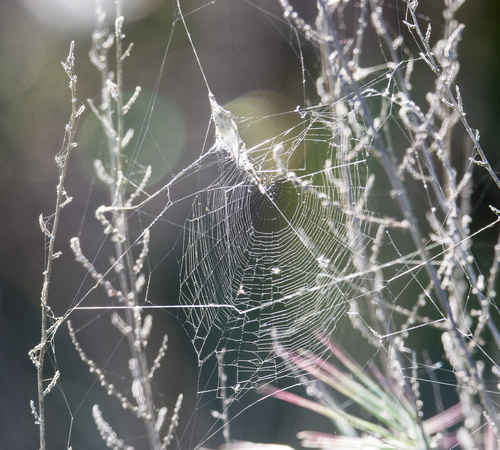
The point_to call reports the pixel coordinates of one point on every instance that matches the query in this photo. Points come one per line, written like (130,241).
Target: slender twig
(405,206)
(38,353)
(111,116)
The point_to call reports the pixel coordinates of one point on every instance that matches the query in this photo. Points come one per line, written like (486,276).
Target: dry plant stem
(226,400)
(383,324)
(61,200)
(442,88)
(344,72)
(492,282)
(379,317)
(405,206)
(124,261)
(456,103)
(444,85)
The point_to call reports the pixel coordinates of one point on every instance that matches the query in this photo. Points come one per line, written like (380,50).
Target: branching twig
(38,353)
(128,269)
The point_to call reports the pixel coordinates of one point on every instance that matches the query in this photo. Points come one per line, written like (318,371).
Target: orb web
(268,259)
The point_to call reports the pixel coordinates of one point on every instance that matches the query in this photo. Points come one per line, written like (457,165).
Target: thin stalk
(38,353)
(122,243)
(405,206)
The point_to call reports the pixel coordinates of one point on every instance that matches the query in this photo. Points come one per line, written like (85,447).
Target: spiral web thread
(274,257)
(274,250)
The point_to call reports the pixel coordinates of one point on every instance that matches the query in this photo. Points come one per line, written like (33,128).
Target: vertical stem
(41,400)
(61,200)
(127,277)
(406,208)
(119,85)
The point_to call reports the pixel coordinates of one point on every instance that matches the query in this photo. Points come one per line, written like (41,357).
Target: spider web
(291,235)
(271,260)
(274,256)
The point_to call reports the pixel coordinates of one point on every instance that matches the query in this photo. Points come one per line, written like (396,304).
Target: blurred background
(248,56)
